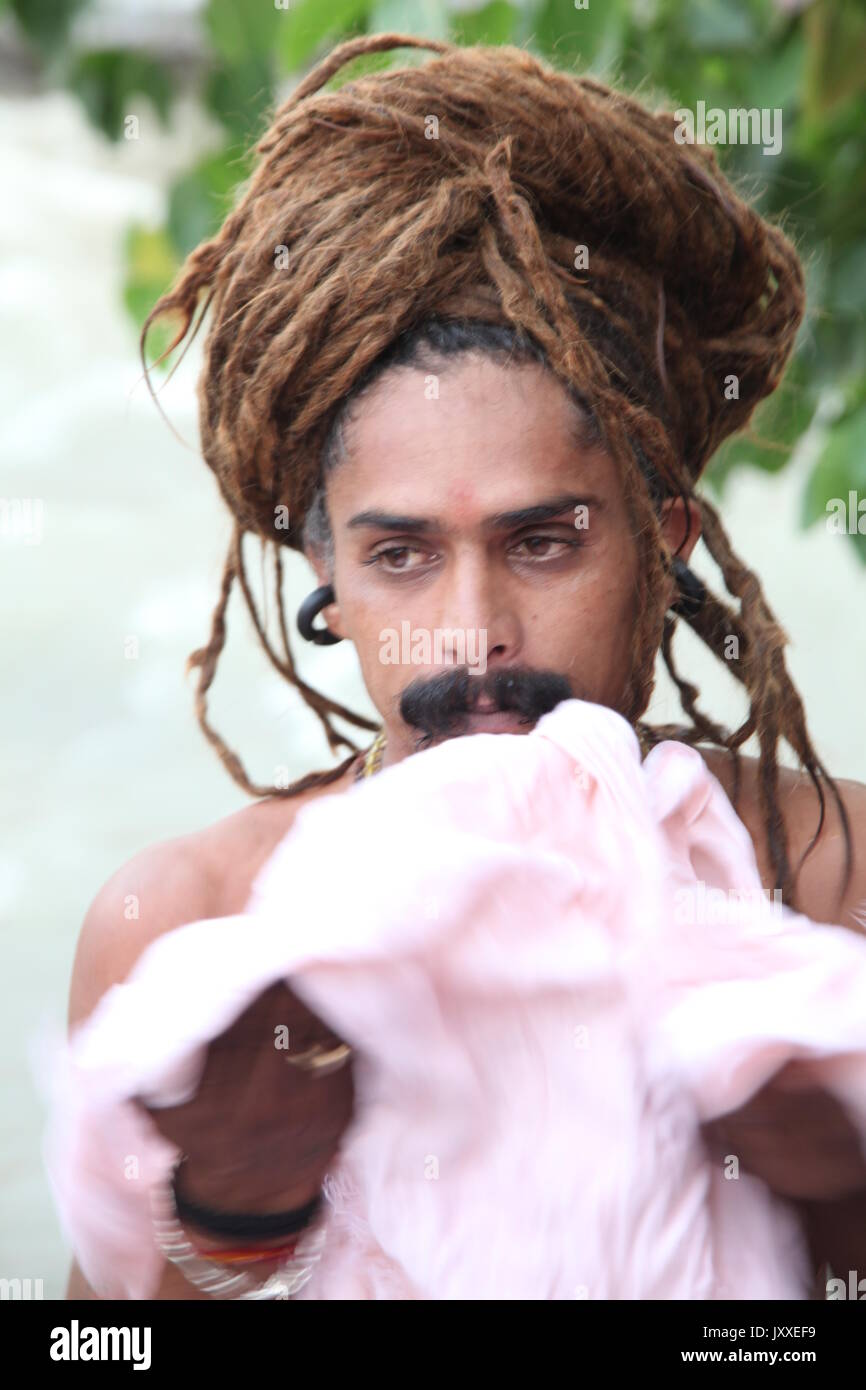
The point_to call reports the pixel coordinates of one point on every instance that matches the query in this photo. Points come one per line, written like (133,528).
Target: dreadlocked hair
(438,208)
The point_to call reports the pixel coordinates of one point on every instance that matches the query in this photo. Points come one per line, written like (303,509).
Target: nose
(477,610)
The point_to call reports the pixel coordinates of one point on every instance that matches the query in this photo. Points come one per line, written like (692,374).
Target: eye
(393,559)
(532,541)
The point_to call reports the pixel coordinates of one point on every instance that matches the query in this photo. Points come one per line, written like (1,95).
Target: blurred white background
(102,753)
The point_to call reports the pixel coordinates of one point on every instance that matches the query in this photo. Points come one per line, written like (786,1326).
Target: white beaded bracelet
(217,1281)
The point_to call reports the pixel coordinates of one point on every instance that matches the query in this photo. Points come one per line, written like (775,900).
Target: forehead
(471,439)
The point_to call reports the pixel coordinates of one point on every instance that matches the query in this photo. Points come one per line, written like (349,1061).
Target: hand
(796,1136)
(261,1133)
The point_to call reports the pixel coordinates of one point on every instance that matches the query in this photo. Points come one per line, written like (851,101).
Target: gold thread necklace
(372,761)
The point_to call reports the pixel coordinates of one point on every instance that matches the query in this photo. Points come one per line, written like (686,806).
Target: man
(511,484)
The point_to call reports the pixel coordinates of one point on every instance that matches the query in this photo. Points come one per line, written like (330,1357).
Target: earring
(313,604)
(692,590)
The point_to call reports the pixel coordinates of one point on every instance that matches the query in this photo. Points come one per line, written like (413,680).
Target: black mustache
(438,706)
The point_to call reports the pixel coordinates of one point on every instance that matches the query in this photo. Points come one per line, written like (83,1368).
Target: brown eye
(533,541)
(393,558)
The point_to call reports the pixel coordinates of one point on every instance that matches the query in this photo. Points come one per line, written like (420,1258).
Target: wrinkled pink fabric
(513,933)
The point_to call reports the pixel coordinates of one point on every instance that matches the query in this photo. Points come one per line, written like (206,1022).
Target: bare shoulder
(823,871)
(208,873)
(189,878)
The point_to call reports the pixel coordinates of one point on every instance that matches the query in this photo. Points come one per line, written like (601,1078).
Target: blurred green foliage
(805,56)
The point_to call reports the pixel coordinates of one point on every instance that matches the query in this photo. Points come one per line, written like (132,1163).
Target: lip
(494,722)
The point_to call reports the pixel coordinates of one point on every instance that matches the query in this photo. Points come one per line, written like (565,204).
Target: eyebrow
(500,521)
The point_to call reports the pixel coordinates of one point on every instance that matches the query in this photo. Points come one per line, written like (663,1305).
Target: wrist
(267,1270)
(234,1188)
(234,1223)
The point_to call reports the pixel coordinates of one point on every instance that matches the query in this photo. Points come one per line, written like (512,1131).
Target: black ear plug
(692,590)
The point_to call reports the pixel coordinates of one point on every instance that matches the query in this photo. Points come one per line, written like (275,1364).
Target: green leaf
(361,66)
(305,26)
(493,23)
(241,95)
(847,293)
(720,24)
(107,83)
(836,350)
(775,77)
(199,200)
(46,22)
(151,265)
(840,470)
(388,17)
(776,428)
(592,36)
(836,36)
(241,30)
(426,18)
(853,395)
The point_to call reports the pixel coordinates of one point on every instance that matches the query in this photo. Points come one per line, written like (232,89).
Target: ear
(330,615)
(681,528)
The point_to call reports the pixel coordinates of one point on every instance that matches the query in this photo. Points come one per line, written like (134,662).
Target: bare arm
(259,1134)
(160,889)
(802,1144)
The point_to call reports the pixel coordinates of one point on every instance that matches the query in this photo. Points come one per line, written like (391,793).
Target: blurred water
(102,755)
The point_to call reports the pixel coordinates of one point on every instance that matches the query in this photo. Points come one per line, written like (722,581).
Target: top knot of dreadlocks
(463,188)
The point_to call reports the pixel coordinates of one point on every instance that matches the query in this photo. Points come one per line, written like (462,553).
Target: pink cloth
(532,943)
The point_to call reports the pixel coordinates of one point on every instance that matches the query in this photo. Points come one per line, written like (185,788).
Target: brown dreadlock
(388,217)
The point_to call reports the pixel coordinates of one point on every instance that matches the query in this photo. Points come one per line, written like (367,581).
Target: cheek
(367,621)
(588,633)
(360,610)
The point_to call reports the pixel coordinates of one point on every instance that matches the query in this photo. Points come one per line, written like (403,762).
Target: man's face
(449,597)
